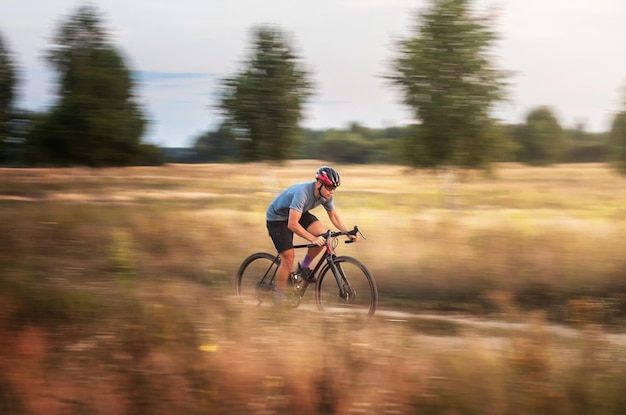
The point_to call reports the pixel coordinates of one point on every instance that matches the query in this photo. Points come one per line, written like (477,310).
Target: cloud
(374,5)
(157,76)
(329,102)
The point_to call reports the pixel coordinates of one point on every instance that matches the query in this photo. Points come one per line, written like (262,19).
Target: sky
(565,54)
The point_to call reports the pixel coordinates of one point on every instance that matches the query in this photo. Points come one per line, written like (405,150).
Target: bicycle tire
(255,278)
(359,308)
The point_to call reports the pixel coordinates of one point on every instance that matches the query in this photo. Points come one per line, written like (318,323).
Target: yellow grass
(116,293)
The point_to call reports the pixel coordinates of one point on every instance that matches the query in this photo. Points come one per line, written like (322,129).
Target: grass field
(116,293)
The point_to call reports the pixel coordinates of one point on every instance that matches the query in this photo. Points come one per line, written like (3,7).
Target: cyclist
(290,213)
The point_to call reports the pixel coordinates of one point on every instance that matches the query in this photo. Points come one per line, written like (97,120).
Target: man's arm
(339,223)
(294,225)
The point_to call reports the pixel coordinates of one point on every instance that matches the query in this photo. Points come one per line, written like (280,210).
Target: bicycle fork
(346,291)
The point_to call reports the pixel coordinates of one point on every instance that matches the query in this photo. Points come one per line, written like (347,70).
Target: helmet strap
(319,190)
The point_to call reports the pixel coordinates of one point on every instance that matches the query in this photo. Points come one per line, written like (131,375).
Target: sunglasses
(330,188)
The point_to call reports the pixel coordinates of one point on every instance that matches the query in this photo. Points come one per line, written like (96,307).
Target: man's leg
(286,265)
(283,241)
(315,228)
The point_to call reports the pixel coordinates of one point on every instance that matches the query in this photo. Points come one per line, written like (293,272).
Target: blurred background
(494,238)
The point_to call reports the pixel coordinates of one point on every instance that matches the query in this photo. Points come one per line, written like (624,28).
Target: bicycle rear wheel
(255,280)
(360,298)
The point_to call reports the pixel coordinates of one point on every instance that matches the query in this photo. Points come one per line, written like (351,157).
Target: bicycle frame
(329,257)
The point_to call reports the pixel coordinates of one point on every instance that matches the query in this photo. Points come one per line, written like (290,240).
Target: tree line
(533,143)
(443,70)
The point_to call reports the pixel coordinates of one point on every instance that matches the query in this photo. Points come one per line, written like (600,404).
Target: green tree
(496,145)
(542,140)
(345,147)
(584,146)
(447,76)
(263,103)
(96,120)
(8,83)
(618,137)
(217,146)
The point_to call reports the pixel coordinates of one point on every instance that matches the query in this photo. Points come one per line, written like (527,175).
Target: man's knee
(316,228)
(287,256)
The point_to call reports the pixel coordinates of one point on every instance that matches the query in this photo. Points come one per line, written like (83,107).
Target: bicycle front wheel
(255,280)
(355,302)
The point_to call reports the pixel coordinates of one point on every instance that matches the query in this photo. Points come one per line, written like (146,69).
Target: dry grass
(116,294)
(557,229)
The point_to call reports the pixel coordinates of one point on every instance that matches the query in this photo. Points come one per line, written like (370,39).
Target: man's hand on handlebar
(353,236)
(319,241)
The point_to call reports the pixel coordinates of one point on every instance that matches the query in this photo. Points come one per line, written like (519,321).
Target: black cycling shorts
(282,236)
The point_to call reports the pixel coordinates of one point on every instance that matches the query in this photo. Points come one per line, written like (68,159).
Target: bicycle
(344,287)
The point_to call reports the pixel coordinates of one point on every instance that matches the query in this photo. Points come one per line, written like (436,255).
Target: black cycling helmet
(328,176)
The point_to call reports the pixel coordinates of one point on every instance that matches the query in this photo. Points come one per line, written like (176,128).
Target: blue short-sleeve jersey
(300,197)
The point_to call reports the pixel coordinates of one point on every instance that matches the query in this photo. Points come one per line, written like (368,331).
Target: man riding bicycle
(290,213)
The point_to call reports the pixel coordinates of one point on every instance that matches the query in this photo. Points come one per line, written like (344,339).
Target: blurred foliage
(263,103)
(542,140)
(217,146)
(618,137)
(8,88)
(618,141)
(357,144)
(96,120)
(450,83)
